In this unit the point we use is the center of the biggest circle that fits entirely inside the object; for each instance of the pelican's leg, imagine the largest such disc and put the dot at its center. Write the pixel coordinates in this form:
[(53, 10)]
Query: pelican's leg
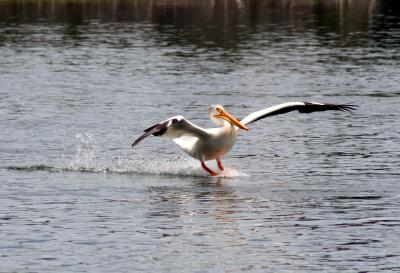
[(219, 162), (208, 169)]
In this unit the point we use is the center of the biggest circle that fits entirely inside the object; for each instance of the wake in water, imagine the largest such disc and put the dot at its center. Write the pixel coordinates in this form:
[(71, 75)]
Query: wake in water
[(88, 158)]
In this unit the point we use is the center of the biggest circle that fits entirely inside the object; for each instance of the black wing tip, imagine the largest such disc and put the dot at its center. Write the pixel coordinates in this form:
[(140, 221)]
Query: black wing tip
[(347, 107), (157, 130), (139, 139), (136, 142), (332, 106)]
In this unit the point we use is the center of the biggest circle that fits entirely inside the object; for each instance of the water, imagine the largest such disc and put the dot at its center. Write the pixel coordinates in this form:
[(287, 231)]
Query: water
[(302, 193)]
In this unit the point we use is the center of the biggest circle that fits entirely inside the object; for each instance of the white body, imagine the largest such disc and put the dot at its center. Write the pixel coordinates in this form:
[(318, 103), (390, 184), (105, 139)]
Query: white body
[(213, 144)]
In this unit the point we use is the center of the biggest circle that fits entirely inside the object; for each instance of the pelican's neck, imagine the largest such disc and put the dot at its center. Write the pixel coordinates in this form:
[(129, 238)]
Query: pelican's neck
[(229, 128)]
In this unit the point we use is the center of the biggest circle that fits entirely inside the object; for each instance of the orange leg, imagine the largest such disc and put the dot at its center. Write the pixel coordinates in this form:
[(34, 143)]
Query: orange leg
[(219, 162), (208, 169)]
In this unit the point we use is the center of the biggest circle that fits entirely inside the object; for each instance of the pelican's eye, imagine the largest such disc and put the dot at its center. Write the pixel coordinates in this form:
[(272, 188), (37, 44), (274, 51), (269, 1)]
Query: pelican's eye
[(219, 110)]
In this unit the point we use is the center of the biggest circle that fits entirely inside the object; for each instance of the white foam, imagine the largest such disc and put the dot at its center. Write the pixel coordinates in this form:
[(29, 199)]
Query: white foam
[(178, 166)]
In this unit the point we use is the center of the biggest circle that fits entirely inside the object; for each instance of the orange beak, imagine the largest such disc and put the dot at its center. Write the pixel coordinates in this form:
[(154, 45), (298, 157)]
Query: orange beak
[(228, 117)]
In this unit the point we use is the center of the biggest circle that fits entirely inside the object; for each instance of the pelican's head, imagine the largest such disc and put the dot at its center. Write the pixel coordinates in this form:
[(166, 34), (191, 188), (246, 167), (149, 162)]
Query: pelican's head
[(218, 115)]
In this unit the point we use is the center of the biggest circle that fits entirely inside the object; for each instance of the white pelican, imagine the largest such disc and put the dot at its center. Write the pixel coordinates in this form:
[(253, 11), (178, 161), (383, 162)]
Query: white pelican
[(214, 143)]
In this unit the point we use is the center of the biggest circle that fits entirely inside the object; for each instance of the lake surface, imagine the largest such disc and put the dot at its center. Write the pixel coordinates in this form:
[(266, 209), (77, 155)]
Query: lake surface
[(302, 193)]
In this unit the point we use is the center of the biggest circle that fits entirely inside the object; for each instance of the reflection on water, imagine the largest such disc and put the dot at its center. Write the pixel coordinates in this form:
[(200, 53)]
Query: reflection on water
[(212, 23), (206, 212), (168, 201)]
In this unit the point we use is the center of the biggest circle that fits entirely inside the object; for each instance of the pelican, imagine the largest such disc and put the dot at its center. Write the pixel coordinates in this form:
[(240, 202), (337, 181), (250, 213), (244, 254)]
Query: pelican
[(214, 143)]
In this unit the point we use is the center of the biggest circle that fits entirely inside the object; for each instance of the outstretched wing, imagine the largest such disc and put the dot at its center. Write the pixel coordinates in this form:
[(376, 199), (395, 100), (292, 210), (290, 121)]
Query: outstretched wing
[(172, 128), (302, 107)]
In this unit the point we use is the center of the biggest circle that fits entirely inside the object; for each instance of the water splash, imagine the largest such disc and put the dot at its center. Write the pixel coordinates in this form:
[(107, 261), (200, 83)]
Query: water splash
[(90, 158), (86, 150)]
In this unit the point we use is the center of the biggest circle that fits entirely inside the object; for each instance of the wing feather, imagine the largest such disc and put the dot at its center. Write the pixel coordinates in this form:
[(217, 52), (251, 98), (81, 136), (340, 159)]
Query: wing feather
[(172, 128), (302, 107)]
